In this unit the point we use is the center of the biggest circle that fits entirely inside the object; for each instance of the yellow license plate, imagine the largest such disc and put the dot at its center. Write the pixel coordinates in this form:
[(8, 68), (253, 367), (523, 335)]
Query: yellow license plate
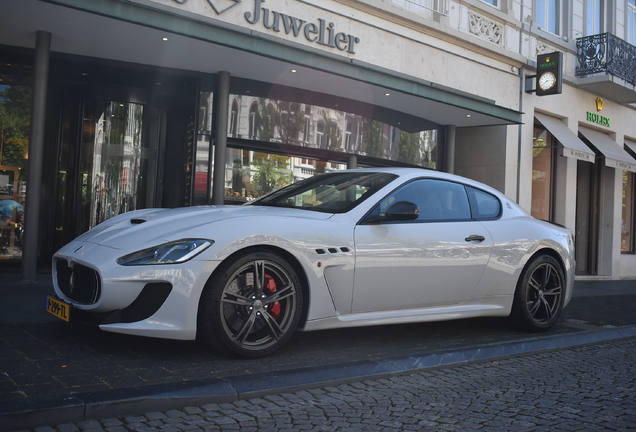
[(58, 308)]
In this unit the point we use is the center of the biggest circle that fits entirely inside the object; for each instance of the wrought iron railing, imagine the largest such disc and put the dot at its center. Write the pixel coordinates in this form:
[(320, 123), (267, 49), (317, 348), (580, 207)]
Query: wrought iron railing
[(606, 53)]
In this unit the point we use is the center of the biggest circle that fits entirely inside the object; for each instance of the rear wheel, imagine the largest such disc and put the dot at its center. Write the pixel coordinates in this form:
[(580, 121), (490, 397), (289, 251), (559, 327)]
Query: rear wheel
[(252, 306), (539, 296)]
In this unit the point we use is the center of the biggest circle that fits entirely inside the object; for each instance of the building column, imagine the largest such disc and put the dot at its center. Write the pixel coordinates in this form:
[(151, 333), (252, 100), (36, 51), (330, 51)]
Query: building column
[(450, 149), (36, 155), (221, 109)]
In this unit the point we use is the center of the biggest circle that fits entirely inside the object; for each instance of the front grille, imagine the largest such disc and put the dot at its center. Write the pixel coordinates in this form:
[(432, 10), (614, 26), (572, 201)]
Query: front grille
[(78, 283)]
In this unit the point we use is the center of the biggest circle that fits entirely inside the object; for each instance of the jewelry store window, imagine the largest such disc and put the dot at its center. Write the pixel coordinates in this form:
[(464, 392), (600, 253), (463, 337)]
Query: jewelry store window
[(15, 115), (628, 217), (543, 167)]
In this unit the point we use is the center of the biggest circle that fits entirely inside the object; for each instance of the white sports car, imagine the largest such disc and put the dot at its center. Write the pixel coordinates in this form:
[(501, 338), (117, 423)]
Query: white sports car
[(347, 248)]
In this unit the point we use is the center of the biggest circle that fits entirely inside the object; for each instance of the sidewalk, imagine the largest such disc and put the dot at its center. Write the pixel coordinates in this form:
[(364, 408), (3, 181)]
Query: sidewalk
[(52, 372)]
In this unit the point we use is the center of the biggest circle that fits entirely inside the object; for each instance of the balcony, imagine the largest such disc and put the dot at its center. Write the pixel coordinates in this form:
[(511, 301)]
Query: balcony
[(607, 66)]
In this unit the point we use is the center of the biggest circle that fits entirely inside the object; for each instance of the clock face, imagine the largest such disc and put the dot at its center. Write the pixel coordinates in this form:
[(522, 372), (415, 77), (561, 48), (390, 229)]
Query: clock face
[(547, 81)]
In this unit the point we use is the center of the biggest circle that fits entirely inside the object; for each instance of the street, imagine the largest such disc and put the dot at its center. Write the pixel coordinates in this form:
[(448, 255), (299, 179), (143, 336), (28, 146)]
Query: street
[(588, 388), (53, 373)]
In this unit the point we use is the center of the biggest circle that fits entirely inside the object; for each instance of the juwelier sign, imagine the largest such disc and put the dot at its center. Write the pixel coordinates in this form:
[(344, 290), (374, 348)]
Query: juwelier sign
[(317, 30)]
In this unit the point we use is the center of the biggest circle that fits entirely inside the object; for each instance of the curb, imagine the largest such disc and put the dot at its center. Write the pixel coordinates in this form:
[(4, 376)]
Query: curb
[(162, 397)]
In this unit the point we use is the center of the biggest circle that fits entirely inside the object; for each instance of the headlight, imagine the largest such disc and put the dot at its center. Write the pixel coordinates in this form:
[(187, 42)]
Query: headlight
[(169, 253)]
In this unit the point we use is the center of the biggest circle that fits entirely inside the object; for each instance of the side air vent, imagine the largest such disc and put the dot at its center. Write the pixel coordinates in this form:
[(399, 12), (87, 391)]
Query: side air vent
[(333, 250), (137, 221)]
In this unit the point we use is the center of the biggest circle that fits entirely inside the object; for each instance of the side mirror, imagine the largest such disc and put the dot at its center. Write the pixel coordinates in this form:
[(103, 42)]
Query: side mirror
[(402, 211)]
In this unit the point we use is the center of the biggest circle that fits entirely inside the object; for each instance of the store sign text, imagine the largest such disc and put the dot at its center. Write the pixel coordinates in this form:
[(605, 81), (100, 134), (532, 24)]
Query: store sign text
[(602, 120), (321, 32)]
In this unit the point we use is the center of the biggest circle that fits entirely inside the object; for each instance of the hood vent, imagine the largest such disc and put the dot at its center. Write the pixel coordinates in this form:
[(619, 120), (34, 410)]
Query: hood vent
[(137, 221)]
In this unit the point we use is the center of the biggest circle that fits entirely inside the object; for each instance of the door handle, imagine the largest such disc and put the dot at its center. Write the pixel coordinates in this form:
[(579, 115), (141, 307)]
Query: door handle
[(475, 237)]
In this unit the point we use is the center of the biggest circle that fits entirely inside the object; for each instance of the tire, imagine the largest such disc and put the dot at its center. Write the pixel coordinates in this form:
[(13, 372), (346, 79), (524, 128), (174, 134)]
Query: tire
[(538, 299), (252, 306)]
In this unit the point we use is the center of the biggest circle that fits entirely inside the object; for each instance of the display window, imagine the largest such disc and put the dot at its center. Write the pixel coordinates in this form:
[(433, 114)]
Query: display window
[(543, 160), (15, 112), (628, 217)]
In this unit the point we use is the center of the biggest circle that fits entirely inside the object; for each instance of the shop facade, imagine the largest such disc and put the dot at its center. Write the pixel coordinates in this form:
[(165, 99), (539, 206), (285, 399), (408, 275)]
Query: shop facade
[(168, 103)]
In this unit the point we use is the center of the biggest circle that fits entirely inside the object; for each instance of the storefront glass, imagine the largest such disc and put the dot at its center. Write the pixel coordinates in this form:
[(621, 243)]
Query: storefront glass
[(118, 163), (314, 127), (15, 114), (628, 218), (250, 174), (252, 170), (542, 174)]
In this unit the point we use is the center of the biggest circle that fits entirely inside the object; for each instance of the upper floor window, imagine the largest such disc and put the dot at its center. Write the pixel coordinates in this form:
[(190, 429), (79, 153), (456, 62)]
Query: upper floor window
[(550, 15), (631, 22), (495, 3), (593, 17)]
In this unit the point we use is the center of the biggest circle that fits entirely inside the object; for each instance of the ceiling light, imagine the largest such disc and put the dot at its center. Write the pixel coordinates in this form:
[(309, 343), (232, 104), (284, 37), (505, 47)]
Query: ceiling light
[(293, 70), (387, 94), (165, 39), (467, 115)]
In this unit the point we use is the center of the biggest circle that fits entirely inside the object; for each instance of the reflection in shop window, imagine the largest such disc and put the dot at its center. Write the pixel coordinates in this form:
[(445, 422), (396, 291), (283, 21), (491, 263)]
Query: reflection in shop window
[(542, 174), (251, 174), (277, 121), (320, 134), (234, 119), (118, 163), (252, 120), (628, 218), (15, 118)]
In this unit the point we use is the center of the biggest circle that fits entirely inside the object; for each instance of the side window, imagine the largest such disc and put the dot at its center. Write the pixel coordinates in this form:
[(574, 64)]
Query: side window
[(483, 204), (437, 200)]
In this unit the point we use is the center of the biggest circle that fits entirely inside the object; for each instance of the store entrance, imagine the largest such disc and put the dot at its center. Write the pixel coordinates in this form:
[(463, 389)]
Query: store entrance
[(587, 218), (121, 149)]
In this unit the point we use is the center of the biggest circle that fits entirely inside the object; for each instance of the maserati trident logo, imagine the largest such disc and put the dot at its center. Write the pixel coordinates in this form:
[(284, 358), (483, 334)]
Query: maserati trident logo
[(219, 6)]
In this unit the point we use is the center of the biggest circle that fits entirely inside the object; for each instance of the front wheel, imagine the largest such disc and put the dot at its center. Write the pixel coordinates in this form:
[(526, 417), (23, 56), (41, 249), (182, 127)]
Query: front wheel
[(252, 306), (539, 295)]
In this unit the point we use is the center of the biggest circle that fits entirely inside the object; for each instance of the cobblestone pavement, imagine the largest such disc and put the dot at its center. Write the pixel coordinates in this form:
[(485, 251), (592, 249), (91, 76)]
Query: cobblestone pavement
[(588, 388)]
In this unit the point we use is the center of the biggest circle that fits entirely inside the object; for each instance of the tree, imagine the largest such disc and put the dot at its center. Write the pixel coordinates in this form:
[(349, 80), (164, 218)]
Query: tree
[(267, 120), (373, 138), (15, 121), (272, 171), (409, 151), (292, 122)]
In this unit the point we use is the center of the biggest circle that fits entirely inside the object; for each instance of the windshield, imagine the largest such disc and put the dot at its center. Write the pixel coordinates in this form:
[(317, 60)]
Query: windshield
[(336, 192)]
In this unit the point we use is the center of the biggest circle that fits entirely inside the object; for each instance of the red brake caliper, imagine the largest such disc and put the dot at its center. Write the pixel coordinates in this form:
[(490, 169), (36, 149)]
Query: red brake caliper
[(270, 287)]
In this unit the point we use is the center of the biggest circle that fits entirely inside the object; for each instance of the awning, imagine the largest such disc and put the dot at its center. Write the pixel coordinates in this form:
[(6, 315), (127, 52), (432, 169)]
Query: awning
[(572, 144), (615, 155)]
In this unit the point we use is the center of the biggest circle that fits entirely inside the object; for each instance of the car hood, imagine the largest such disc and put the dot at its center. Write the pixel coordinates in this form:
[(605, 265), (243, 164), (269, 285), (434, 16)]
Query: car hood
[(142, 227)]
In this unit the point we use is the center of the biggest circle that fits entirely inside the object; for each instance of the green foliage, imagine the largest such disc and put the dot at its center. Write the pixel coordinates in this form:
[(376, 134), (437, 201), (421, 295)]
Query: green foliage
[(272, 171), (410, 151), (373, 138), (15, 118)]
